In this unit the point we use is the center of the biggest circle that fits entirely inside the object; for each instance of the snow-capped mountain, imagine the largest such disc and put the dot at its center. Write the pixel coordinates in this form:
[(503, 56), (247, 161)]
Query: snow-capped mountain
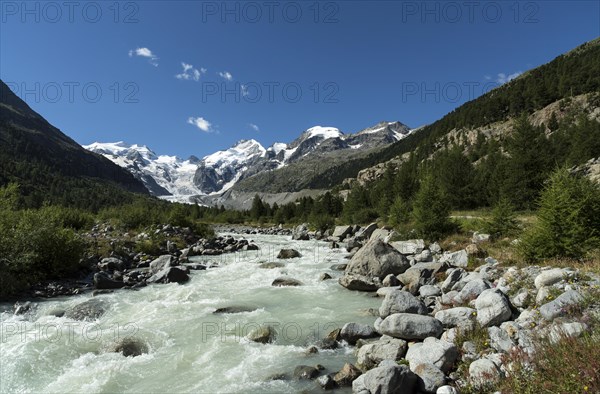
[(177, 179)]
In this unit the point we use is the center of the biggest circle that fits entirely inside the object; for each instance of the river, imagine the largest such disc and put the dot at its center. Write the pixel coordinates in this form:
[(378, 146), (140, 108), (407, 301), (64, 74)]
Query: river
[(191, 349)]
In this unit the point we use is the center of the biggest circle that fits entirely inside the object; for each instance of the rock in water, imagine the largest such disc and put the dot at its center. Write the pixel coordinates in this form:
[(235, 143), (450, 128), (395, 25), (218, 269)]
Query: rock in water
[(352, 332), (306, 372), (129, 347), (88, 310), (358, 282), (263, 334), (288, 254), (347, 375), (280, 282)]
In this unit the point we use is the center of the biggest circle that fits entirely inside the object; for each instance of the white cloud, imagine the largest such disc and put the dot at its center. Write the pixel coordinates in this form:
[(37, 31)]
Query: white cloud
[(189, 72), (503, 78), (254, 127), (145, 52), (226, 75), (201, 123), (244, 89)]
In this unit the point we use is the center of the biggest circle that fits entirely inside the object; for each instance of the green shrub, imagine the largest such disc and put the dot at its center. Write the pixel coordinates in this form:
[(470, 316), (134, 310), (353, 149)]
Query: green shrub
[(34, 245), (568, 222)]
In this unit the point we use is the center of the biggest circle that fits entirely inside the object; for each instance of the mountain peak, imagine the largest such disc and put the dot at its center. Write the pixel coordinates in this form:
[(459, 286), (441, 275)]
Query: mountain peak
[(323, 132)]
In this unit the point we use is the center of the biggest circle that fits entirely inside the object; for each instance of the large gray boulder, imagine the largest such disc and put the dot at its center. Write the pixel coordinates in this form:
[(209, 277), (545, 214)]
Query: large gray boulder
[(365, 233), (560, 305), (111, 264), (387, 378), (412, 246), (170, 275), (386, 348), (129, 347), (88, 310), (377, 259), (288, 254), (460, 316), (263, 334), (358, 282), (471, 290), (549, 277), (410, 326), (300, 233), (456, 259), (434, 351), (420, 274), (399, 301), (160, 263), (493, 308), (103, 281), (352, 332), (430, 377), (341, 232)]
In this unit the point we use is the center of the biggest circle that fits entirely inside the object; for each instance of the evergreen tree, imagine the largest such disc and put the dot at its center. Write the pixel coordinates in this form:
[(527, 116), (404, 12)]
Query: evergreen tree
[(503, 221), (528, 164), (430, 210), (568, 222), (399, 212), (258, 209)]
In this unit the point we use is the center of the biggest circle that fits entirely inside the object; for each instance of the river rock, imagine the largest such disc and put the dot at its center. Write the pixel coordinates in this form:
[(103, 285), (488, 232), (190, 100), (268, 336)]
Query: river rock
[(306, 372), (365, 233), (483, 372), (454, 276), (326, 382), (412, 246), (160, 263), (262, 334), (500, 340), (387, 378), (386, 348), (324, 276), (271, 265), (111, 264), (21, 309), (560, 305), (377, 259), (410, 326), (419, 275), (341, 232), (458, 259), (457, 317), (89, 310), (129, 347), (352, 332), (347, 375), (400, 301), (300, 233), (549, 277), (283, 281), (170, 275), (429, 291), (430, 377), (358, 282), (288, 254), (471, 290), (434, 351), (339, 267), (391, 281), (103, 281), (234, 309), (493, 308)]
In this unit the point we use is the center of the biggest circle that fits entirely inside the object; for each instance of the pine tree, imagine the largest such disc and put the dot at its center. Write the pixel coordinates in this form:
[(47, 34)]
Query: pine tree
[(503, 221), (399, 212), (430, 210), (568, 222)]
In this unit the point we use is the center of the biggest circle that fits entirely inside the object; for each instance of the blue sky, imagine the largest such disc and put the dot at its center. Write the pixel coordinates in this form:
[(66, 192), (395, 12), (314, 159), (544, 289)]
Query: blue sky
[(106, 71)]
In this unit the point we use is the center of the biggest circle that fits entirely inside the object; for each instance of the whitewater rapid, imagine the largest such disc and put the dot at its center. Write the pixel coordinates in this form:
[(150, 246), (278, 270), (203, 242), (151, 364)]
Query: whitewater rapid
[(190, 348)]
